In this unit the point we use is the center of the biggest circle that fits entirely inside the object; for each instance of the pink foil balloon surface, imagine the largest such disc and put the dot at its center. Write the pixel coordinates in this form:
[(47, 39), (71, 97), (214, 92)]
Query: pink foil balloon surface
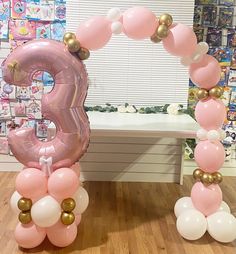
[(210, 114), (206, 73), (139, 23), (181, 40), (209, 156), (206, 199), (94, 33), (63, 105)]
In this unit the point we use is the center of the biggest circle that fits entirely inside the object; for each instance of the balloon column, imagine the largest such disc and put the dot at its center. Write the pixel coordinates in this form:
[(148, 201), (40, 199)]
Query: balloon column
[(48, 198)]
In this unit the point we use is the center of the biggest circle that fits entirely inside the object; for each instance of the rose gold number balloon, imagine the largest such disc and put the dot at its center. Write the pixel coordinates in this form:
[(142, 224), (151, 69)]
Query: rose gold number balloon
[(63, 105)]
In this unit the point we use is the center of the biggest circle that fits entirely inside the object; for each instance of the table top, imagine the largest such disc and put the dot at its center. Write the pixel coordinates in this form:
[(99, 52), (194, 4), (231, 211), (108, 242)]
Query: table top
[(142, 125)]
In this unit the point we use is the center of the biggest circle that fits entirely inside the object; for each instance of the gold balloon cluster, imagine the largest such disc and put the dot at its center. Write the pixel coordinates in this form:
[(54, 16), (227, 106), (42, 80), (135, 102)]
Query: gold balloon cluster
[(67, 216), (73, 46), (215, 92), (207, 178), (25, 204), (162, 31)]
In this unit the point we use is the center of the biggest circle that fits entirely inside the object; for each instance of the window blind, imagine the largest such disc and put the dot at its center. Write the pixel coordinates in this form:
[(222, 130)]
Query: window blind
[(138, 72)]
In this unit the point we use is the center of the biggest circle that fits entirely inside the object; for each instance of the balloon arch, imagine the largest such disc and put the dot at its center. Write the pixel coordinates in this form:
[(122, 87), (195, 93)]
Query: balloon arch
[(48, 198)]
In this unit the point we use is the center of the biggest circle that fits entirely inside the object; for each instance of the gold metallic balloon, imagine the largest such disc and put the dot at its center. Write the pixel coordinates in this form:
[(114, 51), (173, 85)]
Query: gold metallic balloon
[(216, 92), (197, 173), (68, 205), (25, 217), (202, 94), (154, 38), (166, 19), (68, 36), (207, 178), (162, 31), (73, 45), (24, 204), (67, 218), (217, 176), (83, 54)]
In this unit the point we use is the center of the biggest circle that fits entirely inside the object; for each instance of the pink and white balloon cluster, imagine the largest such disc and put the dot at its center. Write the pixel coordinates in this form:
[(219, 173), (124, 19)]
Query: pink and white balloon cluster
[(192, 224), (40, 202)]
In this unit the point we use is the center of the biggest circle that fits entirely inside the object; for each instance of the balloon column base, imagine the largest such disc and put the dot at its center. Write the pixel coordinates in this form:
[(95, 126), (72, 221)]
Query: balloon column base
[(48, 207), (192, 224)]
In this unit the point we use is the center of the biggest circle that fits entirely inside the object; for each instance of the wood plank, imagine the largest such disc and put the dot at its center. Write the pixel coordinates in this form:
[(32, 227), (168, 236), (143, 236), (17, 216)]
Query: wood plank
[(123, 218)]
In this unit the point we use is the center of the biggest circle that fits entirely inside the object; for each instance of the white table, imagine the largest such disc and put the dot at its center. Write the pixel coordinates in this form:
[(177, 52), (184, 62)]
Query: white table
[(132, 147)]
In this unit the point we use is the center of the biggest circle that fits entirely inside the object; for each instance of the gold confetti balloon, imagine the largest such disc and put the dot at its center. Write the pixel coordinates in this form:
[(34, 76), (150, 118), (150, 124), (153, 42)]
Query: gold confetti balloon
[(202, 94), (24, 204), (68, 36), (83, 54), (162, 31), (25, 217), (67, 218), (197, 173), (166, 19), (216, 92), (73, 45), (217, 176), (68, 205)]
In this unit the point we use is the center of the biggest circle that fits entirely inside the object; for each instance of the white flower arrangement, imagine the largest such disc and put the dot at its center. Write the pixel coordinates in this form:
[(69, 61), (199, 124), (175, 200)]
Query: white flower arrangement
[(174, 109)]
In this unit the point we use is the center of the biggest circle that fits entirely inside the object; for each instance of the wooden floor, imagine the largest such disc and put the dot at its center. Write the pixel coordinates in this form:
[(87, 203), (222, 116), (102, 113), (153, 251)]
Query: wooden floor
[(129, 218)]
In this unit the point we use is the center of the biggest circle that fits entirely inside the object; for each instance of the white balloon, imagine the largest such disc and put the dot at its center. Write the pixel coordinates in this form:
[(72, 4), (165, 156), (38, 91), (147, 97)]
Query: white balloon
[(196, 57), (116, 27), (114, 14), (46, 211), (202, 134), (222, 134), (224, 207), (186, 61), (82, 200), (191, 224), (222, 226), (213, 135), (203, 47), (14, 201), (183, 204)]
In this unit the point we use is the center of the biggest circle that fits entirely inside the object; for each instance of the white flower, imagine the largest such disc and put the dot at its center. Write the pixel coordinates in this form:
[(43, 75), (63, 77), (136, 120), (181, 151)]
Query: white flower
[(173, 109), (121, 109)]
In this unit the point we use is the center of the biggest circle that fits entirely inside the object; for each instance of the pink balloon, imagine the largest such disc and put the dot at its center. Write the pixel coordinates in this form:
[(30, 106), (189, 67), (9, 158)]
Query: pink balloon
[(181, 40), (63, 183), (61, 235), (206, 199), (210, 114), (78, 218), (29, 235), (31, 183), (94, 33), (76, 167), (64, 105), (209, 156), (206, 73), (139, 23)]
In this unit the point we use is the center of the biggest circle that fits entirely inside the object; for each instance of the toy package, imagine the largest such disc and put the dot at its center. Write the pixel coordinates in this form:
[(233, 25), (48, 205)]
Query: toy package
[(41, 128), (232, 101), (60, 10), (3, 131), (206, 2), (43, 30), (4, 32), (5, 109), (18, 9), (33, 9), (47, 10), (4, 147), (223, 55), (209, 14), (22, 29), (233, 61), (226, 95), (197, 15), (58, 29), (231, 38), (19, 109), (231, 115), (226, 2), (214, 37), (34, 110), (7, 91), (4, 9), (224, 76), (232, 78), (14, 43), (225, 17), (199, 31), (36, 89), (23, 93)]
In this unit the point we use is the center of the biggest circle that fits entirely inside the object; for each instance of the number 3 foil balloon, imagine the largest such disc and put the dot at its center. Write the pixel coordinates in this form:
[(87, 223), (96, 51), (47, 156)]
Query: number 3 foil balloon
[(63, 105)]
